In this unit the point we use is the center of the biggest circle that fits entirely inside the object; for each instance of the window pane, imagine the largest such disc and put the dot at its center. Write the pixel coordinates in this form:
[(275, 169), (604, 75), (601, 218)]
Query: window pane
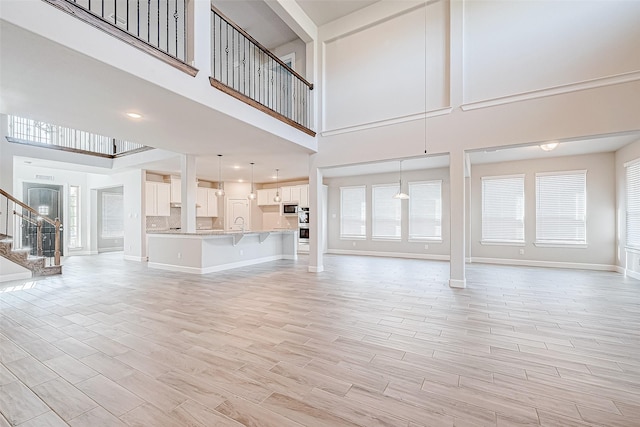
[(386, 215), (73, 218), (112, 215), (503, 209), (633, 205), (425, 210), (561, 207), (353, 208)]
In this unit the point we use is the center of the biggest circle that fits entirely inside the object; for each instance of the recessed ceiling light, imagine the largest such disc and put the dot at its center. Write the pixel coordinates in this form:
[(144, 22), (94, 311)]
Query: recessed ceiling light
[(241, 180), (236, 167), (134, 115)]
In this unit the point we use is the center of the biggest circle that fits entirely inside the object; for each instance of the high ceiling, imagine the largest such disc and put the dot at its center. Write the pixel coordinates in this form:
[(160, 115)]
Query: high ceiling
[(324, 11)]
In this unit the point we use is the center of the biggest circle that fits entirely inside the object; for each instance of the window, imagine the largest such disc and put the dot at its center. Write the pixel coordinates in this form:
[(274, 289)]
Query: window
[(112, 215), (633, 204), (425, 210), (353, 212), (503, 209), (561, 208), (386, 213), (73, 217)]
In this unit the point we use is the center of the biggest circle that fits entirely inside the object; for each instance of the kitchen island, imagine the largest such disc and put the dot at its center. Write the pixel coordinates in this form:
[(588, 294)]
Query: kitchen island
[(208, 251)]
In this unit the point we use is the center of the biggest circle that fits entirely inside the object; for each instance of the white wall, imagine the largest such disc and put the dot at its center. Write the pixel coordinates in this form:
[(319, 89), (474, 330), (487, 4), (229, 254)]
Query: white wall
[(378, 71), (513, 47), (625, 259), (600, 211), (436, 250), (299, 48)]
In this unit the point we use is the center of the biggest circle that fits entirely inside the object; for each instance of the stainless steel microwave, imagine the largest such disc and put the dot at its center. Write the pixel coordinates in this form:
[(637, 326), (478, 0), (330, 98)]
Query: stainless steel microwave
[(289, 209)]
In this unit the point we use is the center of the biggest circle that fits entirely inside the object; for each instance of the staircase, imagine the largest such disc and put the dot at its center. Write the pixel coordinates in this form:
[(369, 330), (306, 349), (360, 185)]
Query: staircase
[(22, 257), (19, 219)]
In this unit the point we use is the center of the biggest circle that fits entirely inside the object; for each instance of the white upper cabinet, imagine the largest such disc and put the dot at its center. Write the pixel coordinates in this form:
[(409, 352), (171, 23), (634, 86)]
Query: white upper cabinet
[(157, 198), (265, 197), (176, 190), (207, 202)]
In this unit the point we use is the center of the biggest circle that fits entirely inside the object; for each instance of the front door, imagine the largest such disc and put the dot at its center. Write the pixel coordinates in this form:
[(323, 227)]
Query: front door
[(47, 201)]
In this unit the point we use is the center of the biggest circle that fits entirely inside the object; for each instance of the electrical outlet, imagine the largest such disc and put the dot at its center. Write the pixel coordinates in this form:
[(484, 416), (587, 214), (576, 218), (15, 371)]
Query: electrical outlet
[(179, 255), (241, 252), (521, 251), (426, 246), (354, 244)]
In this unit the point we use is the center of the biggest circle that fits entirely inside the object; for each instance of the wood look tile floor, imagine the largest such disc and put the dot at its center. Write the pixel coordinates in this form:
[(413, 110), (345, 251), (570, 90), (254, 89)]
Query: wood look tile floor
[(368, 342)]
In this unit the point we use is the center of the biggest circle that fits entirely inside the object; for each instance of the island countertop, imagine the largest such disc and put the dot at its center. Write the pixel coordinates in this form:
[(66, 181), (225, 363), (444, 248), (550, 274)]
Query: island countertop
[(207, 251)]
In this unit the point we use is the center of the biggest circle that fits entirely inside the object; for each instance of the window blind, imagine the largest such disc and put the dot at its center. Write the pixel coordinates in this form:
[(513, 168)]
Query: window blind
[(112, 215), (425, 210), (353, 208), (386, 213), (503, 209), (561, 207), (633, 205)]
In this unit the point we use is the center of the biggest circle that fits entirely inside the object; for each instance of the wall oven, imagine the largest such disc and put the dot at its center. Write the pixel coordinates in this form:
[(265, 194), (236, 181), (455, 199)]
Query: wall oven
[(303, 217), (303, 234)]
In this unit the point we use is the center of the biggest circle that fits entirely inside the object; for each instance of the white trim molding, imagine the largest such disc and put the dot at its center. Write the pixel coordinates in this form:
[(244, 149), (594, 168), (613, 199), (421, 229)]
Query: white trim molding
[(387, 122), (315, 269), (457, 284), (632, 274), (135, 258), (15, 276), (408, 255), (554, 90), (215, 268), (548, 264)]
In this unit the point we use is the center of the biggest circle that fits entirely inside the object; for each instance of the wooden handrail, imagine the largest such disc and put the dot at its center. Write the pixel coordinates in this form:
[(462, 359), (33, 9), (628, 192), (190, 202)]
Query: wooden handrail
[(262, 48), (27, 207)]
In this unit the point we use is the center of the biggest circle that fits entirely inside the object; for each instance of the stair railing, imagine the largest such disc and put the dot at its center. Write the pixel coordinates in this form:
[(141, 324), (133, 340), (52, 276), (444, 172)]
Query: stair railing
[(16, 220)]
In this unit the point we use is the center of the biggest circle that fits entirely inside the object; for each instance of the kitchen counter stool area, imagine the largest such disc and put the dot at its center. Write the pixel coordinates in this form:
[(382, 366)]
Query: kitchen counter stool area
[(208, 252)]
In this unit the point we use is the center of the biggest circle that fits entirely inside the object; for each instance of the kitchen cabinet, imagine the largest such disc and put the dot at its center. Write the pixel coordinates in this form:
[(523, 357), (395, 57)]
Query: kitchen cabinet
[(265, 197), (206, 202), (157, 198), (303, 201), (295, 194), (285, 193), (176, 190)]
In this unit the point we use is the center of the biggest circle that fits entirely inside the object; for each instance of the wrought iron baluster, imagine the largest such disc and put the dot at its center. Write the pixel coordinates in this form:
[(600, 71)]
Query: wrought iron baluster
[(149, 21), (175, 18), (167, 33), (158, 24)]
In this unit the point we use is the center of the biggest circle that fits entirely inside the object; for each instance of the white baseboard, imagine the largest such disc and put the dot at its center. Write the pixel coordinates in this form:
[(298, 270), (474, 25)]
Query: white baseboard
[(550, 264), (632, 274), (458, 284), (434, 257), (315, 269), (15, 276), (215, 268), (620, 270), (135, 258)]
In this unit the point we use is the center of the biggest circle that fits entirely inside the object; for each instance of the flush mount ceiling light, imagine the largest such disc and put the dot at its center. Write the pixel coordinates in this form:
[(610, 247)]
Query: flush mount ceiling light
[(252, 195), (277, 199), (400, 195), (133, 115), (550, 146), (219, 191)]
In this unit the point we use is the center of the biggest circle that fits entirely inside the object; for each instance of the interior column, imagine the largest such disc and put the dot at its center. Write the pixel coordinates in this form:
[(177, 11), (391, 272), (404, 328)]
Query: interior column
[(316, 227), (188, 191), (457, 218)]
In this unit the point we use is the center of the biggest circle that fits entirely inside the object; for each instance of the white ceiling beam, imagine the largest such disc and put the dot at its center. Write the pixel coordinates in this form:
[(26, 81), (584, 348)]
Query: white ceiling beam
[(293, 15)]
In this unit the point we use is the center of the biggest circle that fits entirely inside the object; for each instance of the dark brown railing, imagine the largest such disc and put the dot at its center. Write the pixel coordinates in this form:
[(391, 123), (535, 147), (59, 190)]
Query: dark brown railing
[(30, 229), (256, 75)]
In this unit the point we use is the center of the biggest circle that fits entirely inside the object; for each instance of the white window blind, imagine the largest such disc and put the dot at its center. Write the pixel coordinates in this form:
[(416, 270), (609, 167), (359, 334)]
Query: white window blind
[(112, 215), (503, 209), (386, 213), (353, 212), (72, 227), (561, 207), (425, 210), (633, 204)]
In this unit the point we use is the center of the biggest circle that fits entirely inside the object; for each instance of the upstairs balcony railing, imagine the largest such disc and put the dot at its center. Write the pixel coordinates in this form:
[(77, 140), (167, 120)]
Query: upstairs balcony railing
[(243, 68), (34, 132), (158, 27)]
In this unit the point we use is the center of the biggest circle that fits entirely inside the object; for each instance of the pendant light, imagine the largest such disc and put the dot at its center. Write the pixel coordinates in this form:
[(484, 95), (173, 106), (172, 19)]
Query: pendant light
[(252, 195), (220, 190), (277, 199), (400, 195)]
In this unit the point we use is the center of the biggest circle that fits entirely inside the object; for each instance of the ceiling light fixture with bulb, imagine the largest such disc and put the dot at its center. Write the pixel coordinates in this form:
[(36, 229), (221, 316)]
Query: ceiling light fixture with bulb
[(400, 195), (220, 190), (252, 195), (277, 199)]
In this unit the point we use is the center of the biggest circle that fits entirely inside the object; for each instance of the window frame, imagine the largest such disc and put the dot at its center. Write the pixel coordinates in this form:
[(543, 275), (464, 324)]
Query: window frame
[(395, 188), (503, 242), (635, 164), (561, 243), (412, 198), (363, 218)]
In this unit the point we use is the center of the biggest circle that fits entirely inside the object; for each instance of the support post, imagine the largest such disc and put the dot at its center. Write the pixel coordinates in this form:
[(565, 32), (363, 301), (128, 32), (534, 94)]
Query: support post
[(188, 191), (457, 218)]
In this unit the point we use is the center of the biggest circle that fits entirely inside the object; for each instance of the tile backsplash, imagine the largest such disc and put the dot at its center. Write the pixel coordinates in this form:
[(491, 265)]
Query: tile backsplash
[(174, 221)]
